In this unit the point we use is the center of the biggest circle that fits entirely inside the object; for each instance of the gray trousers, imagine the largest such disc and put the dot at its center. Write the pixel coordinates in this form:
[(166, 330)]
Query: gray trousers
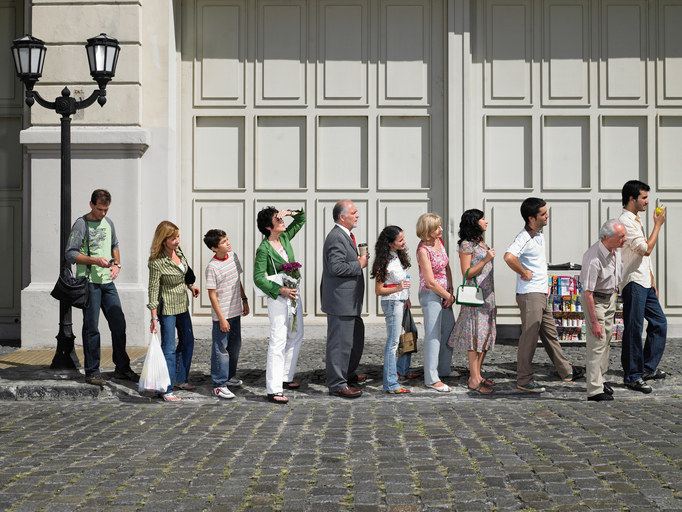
[(537, 320), (345, 342)]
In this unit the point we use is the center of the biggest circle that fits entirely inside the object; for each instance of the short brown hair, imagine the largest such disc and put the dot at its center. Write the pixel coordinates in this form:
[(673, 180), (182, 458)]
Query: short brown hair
[(100, 196)]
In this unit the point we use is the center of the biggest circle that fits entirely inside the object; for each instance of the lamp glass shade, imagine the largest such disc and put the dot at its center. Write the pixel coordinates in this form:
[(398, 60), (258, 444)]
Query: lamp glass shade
[(29, 57), (102, 52)]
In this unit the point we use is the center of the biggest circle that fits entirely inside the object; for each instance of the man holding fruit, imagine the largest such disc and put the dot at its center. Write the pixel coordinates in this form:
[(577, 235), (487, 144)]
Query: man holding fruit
[(640, 295)]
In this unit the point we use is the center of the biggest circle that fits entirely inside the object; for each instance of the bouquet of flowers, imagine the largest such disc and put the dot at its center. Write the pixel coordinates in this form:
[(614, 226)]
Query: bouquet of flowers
[(291, 275)]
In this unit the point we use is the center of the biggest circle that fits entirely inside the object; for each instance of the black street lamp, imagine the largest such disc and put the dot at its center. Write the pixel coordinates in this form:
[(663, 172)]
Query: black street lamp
[(29, 58)]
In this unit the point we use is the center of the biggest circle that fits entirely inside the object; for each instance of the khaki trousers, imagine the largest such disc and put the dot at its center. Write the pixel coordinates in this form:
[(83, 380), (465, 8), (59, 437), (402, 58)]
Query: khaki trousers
[(597, 349), (537, 320)]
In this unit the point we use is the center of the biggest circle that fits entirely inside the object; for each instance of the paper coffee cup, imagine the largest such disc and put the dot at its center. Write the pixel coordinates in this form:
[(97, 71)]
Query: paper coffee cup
[(362, 249)]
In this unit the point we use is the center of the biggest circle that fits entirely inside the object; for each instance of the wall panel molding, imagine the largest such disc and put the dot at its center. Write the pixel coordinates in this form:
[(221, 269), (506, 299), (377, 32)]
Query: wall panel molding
[(566, 53), (282, 52), (509, 52), (669, 61), (343, 53), (624, 53), (220, 58), (405, 52)]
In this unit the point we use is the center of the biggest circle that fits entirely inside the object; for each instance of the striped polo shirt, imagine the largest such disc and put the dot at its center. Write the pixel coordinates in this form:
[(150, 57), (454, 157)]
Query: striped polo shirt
[(224, 276)]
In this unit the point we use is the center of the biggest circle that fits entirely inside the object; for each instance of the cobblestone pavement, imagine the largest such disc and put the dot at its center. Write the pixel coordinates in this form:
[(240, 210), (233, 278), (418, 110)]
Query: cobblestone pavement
[(389, 455), (115, 450)]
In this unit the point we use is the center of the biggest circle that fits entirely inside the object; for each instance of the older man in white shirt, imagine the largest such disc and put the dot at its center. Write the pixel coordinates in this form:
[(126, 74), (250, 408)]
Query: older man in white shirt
[(599, 277), (640, 296)]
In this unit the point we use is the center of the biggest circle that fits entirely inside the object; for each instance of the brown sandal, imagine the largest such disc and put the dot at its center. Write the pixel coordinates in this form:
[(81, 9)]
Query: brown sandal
[(482, 388), (291, 385)]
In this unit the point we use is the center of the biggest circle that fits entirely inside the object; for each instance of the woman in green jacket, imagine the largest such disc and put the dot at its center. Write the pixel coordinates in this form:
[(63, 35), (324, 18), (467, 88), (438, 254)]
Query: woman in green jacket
[(284, 301)]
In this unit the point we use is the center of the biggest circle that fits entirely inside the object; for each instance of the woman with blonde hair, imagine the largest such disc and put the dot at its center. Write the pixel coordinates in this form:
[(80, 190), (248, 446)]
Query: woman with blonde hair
[(169, 304), (436, 299)]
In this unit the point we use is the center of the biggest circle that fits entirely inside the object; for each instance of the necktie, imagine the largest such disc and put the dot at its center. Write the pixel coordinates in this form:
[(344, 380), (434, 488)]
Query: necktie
[(352, 237)]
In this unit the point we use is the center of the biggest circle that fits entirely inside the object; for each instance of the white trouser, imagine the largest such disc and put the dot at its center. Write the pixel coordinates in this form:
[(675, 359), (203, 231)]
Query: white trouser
[(284, 345)]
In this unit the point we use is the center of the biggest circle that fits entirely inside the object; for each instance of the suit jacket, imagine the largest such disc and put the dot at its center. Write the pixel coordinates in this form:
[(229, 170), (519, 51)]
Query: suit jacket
[(343, 283), (266, 254)]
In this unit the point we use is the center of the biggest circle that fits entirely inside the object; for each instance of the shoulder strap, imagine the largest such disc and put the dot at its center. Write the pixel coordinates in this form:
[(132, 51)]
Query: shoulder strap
[(87, 244), (466, 274)]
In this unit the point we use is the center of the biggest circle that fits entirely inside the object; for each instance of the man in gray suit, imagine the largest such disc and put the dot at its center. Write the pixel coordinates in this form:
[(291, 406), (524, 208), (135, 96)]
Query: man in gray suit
[(343, 290)]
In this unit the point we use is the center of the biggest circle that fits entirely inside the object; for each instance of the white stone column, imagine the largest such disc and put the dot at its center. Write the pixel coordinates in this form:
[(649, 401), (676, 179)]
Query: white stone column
[(102, 157)]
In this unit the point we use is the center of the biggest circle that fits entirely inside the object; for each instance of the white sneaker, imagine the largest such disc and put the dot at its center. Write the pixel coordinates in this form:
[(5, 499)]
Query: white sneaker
[(223, 392), (234, 381)]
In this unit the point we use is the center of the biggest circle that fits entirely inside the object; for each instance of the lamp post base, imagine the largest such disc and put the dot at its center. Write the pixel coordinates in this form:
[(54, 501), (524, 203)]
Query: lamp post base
[(65, 357)]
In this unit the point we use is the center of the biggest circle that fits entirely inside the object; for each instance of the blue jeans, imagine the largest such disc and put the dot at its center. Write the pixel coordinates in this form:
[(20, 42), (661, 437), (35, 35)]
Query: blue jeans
[(225, 351), (640, 303), (438, 324), (104, 296), (178, 359), (394, 309)]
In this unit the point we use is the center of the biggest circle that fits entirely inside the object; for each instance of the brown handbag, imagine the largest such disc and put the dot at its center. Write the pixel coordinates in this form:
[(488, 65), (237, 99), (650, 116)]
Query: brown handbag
[(407, 343)]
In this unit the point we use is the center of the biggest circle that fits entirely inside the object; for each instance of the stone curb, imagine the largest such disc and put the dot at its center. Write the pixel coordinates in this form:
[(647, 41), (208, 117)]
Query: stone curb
[(43, 384)]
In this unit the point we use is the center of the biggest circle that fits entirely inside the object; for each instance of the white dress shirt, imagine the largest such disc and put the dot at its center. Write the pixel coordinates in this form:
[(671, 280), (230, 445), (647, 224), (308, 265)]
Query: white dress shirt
[(636, 265)]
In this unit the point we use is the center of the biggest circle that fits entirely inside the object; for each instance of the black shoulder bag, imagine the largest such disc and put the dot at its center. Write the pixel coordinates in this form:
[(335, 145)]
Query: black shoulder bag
[(72, 290), (190, 278)]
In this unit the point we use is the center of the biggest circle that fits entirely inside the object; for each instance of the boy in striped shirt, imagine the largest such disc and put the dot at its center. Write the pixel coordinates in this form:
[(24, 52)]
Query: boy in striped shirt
[(228, 305)]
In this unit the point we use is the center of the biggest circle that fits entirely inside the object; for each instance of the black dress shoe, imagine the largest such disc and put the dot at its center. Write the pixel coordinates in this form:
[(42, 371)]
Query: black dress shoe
[(639, 385), (361, 377), (658, 374), (608, 389), (346, 392), (600, 397)]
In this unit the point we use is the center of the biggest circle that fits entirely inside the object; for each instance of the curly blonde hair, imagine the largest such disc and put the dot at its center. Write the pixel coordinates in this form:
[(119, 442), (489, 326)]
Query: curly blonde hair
[(165, 230)]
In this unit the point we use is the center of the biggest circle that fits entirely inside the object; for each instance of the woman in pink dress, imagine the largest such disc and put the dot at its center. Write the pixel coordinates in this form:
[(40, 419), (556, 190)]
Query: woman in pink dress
[(435, 298)]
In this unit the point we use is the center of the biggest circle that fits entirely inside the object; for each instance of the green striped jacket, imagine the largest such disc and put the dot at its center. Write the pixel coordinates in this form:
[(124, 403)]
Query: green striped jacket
[(167, 284)]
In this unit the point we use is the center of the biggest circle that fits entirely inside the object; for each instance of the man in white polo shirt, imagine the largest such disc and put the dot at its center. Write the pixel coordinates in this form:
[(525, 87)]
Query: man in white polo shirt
[(526, 257), (640, 296)]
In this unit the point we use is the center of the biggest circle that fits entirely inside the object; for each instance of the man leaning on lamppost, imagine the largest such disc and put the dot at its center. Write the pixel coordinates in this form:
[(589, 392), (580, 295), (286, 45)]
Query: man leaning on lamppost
[(29, 58)]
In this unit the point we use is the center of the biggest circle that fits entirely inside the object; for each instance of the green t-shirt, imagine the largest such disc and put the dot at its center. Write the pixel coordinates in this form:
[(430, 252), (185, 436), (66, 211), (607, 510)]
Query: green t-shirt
[(99, 235)]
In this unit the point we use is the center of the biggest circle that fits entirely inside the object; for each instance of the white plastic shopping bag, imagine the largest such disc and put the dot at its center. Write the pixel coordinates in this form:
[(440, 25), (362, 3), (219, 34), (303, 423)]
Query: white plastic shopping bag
[(154, 376)]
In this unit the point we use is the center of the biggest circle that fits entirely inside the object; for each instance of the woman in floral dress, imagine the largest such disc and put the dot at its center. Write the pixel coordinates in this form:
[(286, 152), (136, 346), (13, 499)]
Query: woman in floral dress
[(475, 329)]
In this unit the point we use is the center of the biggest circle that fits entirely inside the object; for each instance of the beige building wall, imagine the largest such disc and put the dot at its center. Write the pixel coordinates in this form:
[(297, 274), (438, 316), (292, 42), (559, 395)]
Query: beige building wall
[(221, 107)]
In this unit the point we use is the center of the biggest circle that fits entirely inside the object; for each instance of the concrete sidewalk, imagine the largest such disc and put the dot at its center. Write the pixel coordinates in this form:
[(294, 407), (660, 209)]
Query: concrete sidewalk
[(25, 374)]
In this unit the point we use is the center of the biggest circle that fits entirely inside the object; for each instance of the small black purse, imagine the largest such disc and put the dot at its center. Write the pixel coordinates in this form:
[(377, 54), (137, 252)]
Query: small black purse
[(74, 290), (190, 278)]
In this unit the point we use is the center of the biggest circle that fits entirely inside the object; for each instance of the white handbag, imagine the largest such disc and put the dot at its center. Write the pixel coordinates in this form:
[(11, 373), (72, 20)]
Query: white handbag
[(469, 295), (275, 278)]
